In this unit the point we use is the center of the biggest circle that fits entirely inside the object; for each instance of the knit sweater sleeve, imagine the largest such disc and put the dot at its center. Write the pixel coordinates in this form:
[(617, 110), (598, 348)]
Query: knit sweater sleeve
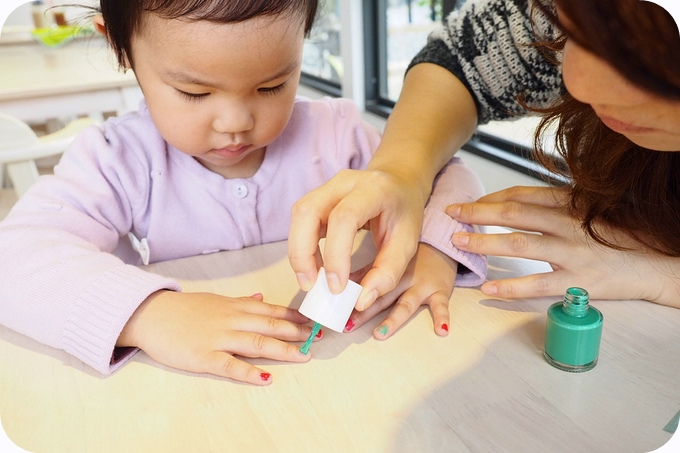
[(490, 46)]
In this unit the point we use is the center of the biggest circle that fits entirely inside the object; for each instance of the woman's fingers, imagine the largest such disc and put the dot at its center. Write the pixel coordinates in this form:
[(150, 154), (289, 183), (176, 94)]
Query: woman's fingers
[(517, 244), (540, 196), (335, 211), (535, 285), (511, 214)]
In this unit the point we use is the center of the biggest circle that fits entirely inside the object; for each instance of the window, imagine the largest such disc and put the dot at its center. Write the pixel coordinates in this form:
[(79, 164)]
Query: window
[(322, 64), (390, 35)]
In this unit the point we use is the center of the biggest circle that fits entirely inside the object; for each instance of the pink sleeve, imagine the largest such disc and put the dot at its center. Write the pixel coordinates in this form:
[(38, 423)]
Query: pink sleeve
[(456, 183), (60, 286)]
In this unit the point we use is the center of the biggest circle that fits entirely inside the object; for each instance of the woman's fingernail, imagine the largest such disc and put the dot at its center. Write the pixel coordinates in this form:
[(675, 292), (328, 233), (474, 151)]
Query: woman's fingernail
[(257, 295), (461, 239), (382, 330), (454, 210), (490, 289), (333, 282), (366, 299), (445, 327), (303, 281), (319, 334), (349, 326), (265, 376)]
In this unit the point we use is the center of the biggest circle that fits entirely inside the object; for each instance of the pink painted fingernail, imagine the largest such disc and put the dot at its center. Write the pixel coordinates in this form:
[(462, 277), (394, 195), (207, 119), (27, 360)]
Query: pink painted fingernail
[(349, 326)]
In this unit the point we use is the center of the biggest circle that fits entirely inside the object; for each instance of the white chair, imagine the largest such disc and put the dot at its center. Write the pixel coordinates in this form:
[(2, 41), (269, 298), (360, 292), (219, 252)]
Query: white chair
[(20, 147)]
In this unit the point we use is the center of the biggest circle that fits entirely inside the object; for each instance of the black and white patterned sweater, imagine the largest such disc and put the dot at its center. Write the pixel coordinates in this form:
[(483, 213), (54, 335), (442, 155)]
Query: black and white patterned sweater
[(490, 46)]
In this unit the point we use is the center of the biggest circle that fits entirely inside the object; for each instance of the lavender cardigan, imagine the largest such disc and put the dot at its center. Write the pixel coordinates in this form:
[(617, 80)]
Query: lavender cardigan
[(68, 270)]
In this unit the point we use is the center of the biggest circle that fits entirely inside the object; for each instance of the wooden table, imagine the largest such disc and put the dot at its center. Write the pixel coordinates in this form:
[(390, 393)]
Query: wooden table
[(79, 78), (484, 388)]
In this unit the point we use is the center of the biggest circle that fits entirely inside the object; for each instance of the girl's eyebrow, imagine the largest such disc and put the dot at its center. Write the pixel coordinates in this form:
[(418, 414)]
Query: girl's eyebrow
[(189, 79)]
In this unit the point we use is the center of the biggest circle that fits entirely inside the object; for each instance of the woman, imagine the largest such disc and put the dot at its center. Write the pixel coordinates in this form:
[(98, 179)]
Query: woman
[(608, 71)]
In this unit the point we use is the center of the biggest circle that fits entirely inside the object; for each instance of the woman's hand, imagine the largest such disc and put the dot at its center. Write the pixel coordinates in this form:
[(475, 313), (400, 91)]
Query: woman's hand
[(576, 259), (429, 280), (203, 333), (380, 201)]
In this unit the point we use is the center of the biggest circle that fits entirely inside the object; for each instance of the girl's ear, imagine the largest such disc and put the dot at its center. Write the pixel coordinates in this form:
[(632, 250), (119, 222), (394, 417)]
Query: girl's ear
[(98, 21)]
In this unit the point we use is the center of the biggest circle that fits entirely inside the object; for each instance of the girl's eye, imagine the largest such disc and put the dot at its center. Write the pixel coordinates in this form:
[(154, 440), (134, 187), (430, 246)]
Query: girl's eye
[(194, 97), (272, 90)]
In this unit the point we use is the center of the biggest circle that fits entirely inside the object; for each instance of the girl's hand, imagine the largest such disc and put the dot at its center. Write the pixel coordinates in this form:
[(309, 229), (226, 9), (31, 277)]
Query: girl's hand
[(203, 333), (384, 203), (576, 259), (429, 280)]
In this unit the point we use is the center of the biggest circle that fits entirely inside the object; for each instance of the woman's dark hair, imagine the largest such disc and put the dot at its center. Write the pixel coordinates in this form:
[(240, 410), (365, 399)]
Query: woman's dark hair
[(123, 18), (616, 182)]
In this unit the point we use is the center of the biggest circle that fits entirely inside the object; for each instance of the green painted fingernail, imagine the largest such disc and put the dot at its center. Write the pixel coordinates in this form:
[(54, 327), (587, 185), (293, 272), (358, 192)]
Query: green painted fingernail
[(382, 330)]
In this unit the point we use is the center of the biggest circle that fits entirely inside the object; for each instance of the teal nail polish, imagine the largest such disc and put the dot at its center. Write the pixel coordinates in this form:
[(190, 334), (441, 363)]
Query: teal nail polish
[(573, 332), (382, 330)]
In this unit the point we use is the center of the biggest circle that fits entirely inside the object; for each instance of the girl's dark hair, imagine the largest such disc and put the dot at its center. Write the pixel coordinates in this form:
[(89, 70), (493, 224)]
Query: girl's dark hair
[(616, 182), (123, 18)]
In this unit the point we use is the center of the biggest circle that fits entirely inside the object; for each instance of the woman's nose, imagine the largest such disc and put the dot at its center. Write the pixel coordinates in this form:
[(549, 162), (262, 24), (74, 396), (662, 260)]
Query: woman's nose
[(592, 80)]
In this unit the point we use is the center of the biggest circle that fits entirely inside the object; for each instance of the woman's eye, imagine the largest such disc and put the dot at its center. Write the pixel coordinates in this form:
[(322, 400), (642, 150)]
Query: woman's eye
[(272, 90), (192, 96)]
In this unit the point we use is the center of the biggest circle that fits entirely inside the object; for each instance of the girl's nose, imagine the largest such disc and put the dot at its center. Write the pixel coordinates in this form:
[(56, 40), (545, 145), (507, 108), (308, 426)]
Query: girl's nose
[(233, 120)]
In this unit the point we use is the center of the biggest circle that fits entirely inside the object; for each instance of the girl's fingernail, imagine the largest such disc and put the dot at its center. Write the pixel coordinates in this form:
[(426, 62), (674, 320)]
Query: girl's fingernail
[(319, 334), (349, 326), (454, 210), (265, 376), (256, 295), (461, 239), (445, 327), (382, 330)]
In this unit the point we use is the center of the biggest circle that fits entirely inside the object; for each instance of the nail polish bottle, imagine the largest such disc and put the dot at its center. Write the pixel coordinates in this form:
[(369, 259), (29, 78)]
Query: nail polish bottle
[(573, 332)]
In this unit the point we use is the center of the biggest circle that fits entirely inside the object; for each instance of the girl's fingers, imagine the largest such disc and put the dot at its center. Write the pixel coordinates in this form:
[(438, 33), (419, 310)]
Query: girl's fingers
[(359, 318), (249, 344), (225, 365), (258, 307), (403, 309), (439, 307)]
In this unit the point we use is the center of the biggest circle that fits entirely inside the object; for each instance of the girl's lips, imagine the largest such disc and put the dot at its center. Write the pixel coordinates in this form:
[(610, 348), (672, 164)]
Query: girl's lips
[(624, 128), (231, 151)]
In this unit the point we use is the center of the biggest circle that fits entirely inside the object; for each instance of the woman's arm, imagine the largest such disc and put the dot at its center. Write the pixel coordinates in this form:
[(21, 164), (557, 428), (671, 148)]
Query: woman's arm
[(434, 116)]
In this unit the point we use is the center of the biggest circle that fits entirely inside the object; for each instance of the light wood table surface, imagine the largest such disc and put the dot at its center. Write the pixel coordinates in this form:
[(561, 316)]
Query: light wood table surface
[(484, 388), (79, 78)]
